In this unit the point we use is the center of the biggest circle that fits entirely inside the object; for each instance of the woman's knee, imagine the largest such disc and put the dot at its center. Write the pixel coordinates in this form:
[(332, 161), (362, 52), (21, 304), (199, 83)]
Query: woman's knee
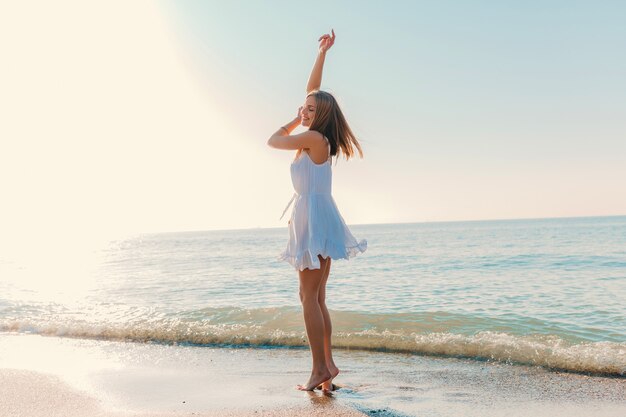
[(308, 293), (308, 298)]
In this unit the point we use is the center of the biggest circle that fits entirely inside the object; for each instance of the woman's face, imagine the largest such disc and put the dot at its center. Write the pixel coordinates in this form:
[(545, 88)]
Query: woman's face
[(308, 111)]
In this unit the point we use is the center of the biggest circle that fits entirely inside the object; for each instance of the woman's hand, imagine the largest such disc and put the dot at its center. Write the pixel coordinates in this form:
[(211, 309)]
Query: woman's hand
[(326, 41)]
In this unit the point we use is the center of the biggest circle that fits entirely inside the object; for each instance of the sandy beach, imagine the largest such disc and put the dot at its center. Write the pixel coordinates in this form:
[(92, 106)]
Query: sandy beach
[(29, 393), (56, 376)]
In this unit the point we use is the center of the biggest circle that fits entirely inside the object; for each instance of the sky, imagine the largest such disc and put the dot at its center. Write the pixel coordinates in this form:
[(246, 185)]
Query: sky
[(153, 116)]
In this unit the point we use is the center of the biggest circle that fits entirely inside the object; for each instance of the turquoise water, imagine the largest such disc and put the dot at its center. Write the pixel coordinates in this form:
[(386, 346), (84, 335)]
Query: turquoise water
[(548, 292)]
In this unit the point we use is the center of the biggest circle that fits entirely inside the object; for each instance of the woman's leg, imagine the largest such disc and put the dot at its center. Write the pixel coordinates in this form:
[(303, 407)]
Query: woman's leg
[(328, 330), (310, 281)]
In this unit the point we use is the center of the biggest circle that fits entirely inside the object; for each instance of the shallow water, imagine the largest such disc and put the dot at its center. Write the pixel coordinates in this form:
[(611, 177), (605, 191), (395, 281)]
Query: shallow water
[(546, 292)]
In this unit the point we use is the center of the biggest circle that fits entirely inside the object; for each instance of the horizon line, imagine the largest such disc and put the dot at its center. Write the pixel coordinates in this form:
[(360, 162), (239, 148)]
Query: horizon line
[(384, 224)]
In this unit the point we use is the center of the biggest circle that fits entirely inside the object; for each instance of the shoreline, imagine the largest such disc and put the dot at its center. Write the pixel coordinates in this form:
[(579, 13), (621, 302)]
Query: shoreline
[(112, 378)]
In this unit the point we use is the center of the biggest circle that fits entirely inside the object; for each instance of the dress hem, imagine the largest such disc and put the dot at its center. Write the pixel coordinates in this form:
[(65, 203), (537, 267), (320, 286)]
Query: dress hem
[(308, 258)]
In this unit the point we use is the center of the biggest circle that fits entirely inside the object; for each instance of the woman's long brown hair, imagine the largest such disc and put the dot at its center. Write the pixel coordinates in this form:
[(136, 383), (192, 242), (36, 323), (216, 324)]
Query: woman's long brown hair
[(330, 121)]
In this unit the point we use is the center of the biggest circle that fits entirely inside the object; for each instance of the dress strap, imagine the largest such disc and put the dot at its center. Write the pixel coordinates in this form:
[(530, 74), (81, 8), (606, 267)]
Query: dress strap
[(290, 201)]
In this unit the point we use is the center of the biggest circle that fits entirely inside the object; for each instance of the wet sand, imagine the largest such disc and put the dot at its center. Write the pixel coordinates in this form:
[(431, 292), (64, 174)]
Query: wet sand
[(26, 393), (53, 376)]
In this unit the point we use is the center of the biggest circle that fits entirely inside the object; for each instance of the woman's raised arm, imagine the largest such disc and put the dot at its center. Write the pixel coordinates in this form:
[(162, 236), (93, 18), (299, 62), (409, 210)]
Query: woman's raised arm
[(315, 79)]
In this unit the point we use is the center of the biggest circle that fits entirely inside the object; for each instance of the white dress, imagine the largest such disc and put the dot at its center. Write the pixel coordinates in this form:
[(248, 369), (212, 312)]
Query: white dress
[(316, 226)]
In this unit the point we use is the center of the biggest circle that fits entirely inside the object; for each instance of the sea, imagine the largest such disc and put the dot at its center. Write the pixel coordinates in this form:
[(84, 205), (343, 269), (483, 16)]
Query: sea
[(547, 292)]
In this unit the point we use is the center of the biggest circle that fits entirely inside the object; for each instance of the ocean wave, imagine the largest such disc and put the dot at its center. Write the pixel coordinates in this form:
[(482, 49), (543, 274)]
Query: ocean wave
[(282, 327)]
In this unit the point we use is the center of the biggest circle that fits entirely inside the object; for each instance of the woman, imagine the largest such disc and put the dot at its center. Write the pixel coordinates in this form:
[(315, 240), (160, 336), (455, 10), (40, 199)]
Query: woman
[(317, 232)]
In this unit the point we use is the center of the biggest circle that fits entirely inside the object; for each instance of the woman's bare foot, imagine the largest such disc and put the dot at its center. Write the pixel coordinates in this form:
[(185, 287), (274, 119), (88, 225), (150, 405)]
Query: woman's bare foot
[(316, 379), (328, 385)]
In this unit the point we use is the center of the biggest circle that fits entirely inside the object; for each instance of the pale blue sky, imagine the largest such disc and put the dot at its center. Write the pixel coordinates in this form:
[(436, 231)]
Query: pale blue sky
[(466, 110), (145, 116)]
